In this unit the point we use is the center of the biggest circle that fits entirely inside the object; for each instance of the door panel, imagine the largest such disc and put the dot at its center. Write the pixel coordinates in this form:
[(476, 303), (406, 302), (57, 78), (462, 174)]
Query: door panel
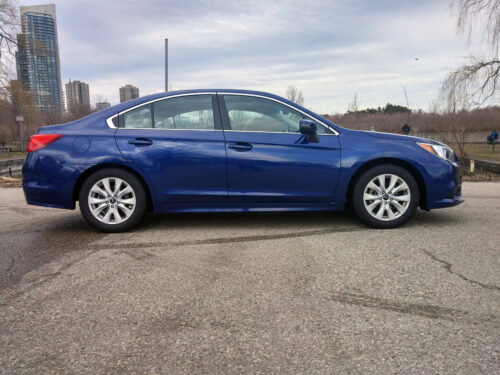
[(182, 152), (279, 166)]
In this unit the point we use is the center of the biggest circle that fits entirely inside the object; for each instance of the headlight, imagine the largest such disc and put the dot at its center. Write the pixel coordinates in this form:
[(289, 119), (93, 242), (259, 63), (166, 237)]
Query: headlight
[(441, 151)]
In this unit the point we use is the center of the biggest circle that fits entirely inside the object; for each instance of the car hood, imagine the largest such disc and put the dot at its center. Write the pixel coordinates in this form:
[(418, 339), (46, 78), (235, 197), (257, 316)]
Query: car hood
[(398, 137)]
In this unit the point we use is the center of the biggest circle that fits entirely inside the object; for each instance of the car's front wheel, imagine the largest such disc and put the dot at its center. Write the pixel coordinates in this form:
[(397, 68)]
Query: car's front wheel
[(112, 200), (385, 196)]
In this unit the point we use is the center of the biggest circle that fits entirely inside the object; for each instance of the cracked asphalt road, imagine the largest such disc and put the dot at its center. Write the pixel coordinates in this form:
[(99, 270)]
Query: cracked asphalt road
[(251, 293)]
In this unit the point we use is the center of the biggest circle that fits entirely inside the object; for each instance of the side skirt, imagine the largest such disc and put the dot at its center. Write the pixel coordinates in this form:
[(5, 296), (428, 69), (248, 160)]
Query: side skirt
[(263, 207)]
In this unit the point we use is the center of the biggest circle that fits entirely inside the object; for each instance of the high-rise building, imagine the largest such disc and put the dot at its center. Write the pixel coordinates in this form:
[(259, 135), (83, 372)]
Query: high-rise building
[(128, 92), (77, 95), (102, 105), (37, 58)]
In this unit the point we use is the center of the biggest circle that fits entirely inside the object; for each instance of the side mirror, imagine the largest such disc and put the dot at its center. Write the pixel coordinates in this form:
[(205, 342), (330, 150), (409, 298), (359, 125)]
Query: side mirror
[(309, 128)]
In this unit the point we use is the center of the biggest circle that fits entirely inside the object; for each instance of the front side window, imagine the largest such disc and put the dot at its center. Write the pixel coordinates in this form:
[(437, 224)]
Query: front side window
[(249, 113), (184, 112)]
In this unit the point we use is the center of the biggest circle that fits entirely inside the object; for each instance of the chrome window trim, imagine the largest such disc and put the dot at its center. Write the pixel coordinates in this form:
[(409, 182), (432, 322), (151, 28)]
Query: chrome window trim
[(335, 133), (191, 130), (109, 120), (260, 131)]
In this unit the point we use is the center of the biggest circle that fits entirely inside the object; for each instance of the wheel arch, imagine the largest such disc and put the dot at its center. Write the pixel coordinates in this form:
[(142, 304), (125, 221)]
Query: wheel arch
[(85, 174), (399, 162)]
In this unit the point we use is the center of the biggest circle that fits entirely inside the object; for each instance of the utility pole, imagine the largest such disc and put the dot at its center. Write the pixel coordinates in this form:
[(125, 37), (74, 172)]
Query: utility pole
[(166, 64)]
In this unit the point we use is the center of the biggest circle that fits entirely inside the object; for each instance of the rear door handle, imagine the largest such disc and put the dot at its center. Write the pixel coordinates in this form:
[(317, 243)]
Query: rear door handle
[(241, 146), (141, 142)]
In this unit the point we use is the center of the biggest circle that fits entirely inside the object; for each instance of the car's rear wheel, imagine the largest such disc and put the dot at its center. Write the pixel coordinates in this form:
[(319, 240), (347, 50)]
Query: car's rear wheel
[(385, 196), (113, 200)]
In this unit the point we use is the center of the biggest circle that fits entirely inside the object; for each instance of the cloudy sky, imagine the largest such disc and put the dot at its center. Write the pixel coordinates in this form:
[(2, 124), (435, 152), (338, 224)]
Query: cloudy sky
[(329, 49)]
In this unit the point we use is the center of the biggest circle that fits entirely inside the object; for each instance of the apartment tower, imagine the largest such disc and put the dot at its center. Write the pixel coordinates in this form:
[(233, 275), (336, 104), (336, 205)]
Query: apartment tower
[(37, 58)]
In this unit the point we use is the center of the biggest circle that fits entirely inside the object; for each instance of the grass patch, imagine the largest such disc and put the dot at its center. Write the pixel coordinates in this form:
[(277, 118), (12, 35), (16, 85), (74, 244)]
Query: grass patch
[(480, 151), (483, 151), (13, 155)]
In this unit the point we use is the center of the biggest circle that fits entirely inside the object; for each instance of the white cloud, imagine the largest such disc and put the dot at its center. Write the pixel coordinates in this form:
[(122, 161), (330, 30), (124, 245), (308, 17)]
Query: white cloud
[(329, 50)]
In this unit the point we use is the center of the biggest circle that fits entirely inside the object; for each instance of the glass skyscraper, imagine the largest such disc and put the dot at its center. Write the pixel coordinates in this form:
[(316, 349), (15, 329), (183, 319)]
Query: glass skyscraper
[(38, 67)]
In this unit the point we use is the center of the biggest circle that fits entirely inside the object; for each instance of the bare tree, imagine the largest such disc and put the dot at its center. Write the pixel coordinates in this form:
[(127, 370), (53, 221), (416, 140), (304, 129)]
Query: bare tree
[(354, 105), (456, 125), (96, 100), (6, 122), (352, 111), (99, 98), (485, 12), (76, 111), (479, 76), (20, 103), (407, 104), (295, 95), (9, 23)]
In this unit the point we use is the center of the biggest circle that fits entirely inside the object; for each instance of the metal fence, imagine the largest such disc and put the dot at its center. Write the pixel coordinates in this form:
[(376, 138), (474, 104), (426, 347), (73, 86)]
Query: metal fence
[(11, 167)]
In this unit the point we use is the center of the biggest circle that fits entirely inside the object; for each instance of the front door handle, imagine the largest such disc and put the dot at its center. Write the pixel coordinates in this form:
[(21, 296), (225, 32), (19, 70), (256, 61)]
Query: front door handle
[(241, 146), (141, 142)]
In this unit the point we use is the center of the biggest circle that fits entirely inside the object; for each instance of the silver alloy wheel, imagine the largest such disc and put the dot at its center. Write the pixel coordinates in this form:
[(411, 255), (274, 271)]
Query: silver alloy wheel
[(386, 197), (112, 200)]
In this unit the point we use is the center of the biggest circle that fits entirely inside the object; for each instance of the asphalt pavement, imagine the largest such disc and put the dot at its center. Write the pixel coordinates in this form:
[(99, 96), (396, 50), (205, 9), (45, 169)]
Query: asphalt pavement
[(288, 293)]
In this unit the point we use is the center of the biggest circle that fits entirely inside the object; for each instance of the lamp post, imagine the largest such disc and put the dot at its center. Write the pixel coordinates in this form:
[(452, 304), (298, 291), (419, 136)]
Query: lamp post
[(166, 64), (20, 120)]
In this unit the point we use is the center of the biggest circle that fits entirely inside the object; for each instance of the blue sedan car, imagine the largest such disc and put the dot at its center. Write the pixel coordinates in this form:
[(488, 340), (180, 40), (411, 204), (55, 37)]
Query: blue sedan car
[(227, 151)]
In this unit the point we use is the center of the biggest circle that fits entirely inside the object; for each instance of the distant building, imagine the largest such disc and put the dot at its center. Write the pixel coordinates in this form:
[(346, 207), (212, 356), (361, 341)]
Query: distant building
[(102, 105), (77, 95), (128, 92), (37, 58), (63, 101)]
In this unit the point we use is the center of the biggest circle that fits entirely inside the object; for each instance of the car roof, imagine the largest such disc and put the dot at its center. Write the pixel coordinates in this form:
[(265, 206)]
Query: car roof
[(107, 112), (144, 99)]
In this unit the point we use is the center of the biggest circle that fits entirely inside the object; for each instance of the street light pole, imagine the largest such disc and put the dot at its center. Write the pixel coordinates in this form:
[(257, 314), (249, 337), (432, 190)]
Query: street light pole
[(166, 64), (20, 120)]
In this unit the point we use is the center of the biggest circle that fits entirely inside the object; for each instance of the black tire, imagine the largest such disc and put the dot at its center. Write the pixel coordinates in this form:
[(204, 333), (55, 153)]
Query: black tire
[(139, 192), (358, 204)]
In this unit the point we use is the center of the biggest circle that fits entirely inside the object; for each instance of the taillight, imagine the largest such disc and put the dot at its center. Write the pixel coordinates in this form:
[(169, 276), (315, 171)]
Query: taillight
[(39, 141)]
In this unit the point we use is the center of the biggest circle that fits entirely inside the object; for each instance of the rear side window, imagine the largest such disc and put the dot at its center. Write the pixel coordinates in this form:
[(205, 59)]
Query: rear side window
[(137, 118), (185, 112)]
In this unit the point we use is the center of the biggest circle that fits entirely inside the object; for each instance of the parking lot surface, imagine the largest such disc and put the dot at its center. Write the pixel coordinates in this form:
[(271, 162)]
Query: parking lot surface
[(288, 293)]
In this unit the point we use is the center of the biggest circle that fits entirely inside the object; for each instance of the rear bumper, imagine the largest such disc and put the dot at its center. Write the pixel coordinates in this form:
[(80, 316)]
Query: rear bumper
[(46, 195), (49, 187)]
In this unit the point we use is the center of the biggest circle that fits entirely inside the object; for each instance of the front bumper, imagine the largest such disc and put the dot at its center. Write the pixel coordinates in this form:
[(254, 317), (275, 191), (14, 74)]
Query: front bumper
[(443, 203), (444, 184)]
